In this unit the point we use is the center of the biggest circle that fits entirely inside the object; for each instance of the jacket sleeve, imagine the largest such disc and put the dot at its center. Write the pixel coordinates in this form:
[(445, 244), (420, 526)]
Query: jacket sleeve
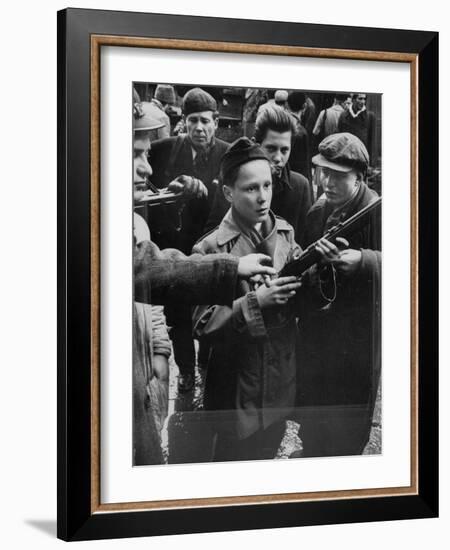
[(167, 276), (244, 316), (318, 125), (160, 336)]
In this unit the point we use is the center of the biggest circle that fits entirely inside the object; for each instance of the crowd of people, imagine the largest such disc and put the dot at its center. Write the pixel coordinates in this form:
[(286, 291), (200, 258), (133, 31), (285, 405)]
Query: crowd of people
[(207, 257)]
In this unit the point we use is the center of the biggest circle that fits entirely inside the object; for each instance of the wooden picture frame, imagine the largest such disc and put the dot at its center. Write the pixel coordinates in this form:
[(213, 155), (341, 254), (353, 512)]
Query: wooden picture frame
[(81, 35)]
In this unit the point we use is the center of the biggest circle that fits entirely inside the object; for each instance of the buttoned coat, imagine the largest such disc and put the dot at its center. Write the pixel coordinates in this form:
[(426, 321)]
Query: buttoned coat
[(251, 368), (340, 345)]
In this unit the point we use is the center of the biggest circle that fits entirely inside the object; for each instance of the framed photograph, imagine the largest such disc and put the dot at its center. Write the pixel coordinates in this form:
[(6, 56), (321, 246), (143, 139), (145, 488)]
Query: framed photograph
[(247, 255)]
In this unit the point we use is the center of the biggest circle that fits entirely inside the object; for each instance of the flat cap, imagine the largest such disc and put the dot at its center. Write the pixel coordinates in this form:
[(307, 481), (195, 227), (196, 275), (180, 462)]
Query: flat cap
[(165, 93), (243, 150), (342, 152), (197, 100)]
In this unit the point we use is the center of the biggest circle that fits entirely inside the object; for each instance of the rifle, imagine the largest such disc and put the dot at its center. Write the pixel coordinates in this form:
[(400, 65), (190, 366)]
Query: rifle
[(161, 197), (344, 229)]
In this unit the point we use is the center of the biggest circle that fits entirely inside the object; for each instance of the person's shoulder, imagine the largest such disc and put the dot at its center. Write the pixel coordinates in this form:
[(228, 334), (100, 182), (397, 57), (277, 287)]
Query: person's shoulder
[(163, 144), (300, 130), (221, 145), (368, 195), (298, 181), (283, 226), (207, 243), (318, 206)]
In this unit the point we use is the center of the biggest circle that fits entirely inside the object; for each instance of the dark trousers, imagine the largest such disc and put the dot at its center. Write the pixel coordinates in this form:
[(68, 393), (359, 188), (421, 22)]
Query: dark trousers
[(335, 430), (179, 318), (263, 444)]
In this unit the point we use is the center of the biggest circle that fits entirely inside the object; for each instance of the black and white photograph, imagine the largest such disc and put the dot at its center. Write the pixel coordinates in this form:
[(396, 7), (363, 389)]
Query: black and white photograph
[(257, 273)]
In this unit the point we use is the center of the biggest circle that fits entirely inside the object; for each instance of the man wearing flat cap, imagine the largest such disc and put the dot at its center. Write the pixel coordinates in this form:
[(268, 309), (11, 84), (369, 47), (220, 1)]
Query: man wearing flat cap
[(196, 154), (339, 346), (251, 368)]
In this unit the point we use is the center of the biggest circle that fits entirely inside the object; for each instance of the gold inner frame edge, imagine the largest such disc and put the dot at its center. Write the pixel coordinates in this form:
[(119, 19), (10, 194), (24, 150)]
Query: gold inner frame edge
[(263, 49)]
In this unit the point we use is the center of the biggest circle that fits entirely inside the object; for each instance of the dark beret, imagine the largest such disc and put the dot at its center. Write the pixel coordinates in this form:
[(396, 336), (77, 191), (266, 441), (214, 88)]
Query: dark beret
[(342, 152), (197, 100), (243, 150)]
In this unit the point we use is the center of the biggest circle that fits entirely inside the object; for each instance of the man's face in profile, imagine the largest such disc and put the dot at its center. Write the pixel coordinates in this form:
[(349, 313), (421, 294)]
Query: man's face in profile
[(141, 167)]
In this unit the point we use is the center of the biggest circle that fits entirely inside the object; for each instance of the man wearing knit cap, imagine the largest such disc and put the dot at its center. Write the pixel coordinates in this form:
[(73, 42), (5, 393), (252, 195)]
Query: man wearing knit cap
[(251, 368), (196, 154), (339, 347), (157, 108)]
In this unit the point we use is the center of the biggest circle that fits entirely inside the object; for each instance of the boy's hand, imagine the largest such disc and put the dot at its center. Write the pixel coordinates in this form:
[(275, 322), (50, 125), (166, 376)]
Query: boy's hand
[(254, 264), (278, 292)]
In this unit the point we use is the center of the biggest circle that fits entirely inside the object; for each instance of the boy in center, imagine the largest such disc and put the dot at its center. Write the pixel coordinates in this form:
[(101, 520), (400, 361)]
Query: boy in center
[(251, 369)]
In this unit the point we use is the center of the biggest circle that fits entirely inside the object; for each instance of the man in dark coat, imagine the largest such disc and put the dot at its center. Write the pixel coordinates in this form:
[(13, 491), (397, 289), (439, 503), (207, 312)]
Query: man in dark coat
[(300, 159), (291, 200), (197, 154), (360, 122), (339, 348)]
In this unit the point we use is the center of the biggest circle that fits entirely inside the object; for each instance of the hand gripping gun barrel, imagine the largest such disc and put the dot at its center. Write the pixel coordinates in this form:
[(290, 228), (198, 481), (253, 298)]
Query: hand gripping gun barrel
[(344, 229)]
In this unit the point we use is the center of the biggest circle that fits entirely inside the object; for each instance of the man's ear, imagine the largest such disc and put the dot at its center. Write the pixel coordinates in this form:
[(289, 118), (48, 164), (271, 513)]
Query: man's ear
[(228, 193), (216, 123)]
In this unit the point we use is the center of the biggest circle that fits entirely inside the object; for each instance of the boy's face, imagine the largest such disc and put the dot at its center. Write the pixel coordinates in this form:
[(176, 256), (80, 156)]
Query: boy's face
[(251, 194), (277, 146), (338, 186)]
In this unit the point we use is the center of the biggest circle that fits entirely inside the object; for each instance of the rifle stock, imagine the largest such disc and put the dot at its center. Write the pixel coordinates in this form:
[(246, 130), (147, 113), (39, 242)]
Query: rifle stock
[(344, 229)]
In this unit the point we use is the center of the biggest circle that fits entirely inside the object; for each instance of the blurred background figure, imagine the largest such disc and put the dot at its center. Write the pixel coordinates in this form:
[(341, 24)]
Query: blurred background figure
[(359, 121), (300, 159), (159, 106), (328, 120)]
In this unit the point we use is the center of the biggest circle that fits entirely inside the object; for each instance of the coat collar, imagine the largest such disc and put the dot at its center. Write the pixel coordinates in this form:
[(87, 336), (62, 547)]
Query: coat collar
[(284, 180), (229, 230)]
